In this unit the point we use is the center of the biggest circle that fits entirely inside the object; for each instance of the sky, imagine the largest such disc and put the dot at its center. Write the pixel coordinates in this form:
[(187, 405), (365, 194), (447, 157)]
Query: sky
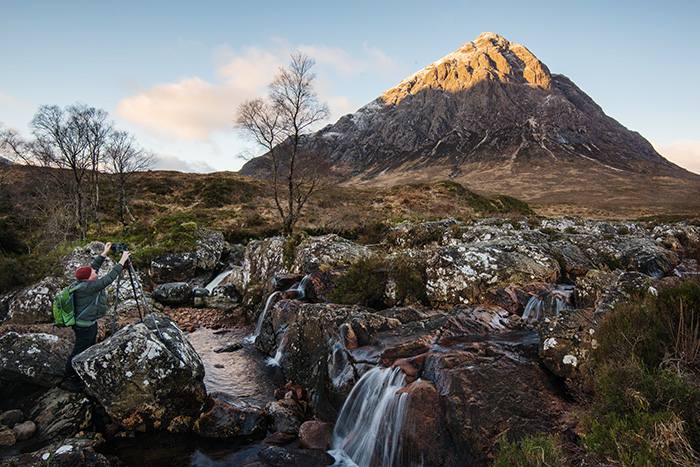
[(173, 73)]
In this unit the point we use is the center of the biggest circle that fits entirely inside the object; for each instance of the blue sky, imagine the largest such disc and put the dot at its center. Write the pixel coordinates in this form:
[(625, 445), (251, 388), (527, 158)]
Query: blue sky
[(173, 72)]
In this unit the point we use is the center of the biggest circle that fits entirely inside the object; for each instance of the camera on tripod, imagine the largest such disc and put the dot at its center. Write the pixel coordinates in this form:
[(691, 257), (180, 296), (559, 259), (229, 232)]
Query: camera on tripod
[(120, 247)]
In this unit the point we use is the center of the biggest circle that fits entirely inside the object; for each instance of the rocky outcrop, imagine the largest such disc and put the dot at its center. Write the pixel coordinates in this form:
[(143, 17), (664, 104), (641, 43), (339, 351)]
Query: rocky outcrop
[(145, 376), (33, 358), (191, 266)]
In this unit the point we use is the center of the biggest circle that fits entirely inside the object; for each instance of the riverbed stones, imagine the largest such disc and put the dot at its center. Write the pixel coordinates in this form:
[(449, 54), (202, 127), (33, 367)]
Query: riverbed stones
[(145, 375)]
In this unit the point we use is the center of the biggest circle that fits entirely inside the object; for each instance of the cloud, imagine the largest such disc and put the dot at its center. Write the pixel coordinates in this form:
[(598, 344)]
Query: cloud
[(11, 101), (193, 109), (685, 153), (169, 162)]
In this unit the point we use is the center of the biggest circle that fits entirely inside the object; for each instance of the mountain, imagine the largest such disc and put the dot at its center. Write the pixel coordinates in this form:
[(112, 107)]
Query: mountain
[(493, 117)]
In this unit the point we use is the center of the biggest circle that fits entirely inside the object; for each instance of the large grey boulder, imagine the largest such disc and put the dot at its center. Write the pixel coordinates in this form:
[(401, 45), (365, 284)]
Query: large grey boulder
[(35, 358), (173, 293), (146, 375), (263, 259), (173, 267), (211, 246), (34, 304), (327, 252)]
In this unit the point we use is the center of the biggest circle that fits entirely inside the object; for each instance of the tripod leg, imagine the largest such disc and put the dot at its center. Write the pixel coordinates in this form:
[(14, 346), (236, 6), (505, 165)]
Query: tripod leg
[(133, 287), (116, 300), (132, 274)]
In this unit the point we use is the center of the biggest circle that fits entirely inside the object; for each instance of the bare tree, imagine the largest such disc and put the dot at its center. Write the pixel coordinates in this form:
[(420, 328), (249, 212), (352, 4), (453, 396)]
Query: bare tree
[(124, 158), (70, 140), (278, 123)]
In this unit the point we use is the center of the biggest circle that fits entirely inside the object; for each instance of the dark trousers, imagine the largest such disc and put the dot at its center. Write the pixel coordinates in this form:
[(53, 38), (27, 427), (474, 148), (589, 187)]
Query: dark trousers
[(84, 339)]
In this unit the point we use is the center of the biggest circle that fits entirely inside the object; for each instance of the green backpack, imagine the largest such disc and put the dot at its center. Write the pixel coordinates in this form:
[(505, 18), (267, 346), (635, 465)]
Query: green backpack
[(63, 309)]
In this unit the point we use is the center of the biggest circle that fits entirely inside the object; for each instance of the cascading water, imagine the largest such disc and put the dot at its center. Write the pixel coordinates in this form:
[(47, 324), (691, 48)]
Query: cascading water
[(368, 430), (299, 288), (217, 280), (553, 300)]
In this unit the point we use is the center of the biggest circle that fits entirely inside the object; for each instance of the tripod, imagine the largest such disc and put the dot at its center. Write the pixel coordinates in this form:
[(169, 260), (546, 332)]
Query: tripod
[(134, 281)]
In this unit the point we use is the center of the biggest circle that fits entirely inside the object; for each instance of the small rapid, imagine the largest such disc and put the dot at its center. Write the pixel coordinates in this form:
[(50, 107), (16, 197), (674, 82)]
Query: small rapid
[(368, 430)]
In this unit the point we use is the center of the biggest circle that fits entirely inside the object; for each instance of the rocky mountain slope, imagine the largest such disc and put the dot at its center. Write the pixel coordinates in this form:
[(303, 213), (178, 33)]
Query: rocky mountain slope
[(493, 117)]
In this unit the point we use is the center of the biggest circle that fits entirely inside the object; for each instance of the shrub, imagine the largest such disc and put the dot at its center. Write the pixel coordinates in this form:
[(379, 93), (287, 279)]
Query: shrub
[(363, 284), (366, 283), (645, 371)]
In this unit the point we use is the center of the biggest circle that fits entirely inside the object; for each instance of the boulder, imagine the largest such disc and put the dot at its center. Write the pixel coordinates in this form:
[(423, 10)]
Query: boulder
[(60, 413), (460, 274), (145, 375), (317, 435), (36, 358), (491, 388), (34, 304), (327, 252), (11, 417), (287, 415), (24, 430), (173, 267), (412, 235), (173, 294), (566, 341), (425, 439), (7, 436), (211, 246), (226, 416), (263, 260)]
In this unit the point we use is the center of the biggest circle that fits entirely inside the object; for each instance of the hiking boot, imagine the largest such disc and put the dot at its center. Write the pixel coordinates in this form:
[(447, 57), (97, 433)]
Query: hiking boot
[(71, 385)]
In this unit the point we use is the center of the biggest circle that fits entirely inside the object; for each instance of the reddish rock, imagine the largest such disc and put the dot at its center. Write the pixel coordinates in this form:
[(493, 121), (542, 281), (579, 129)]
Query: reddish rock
[(316, 434), (425, 438), (24, 430), (407, 349)]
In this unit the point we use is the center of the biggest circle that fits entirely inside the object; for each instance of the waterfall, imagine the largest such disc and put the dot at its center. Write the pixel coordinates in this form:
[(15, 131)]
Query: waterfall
[(368, 429), (217, 280), (299, 288), (553, 301)]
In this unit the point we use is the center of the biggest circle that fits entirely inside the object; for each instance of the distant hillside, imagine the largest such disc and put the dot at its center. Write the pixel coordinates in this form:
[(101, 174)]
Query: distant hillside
[(492, 117)]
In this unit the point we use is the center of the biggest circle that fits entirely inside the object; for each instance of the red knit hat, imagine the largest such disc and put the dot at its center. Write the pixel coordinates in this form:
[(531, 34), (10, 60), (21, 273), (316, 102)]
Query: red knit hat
[(83, 273)]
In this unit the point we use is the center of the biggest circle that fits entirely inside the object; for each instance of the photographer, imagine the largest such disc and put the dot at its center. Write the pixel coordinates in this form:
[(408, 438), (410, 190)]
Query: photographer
[(90, 304)]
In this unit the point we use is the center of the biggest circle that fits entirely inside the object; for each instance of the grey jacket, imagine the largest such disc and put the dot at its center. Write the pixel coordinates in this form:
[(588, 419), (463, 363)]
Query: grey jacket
[(89, 299)]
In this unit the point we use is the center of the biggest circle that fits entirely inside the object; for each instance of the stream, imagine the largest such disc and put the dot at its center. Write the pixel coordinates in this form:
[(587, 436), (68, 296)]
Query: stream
[(242, 373)]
